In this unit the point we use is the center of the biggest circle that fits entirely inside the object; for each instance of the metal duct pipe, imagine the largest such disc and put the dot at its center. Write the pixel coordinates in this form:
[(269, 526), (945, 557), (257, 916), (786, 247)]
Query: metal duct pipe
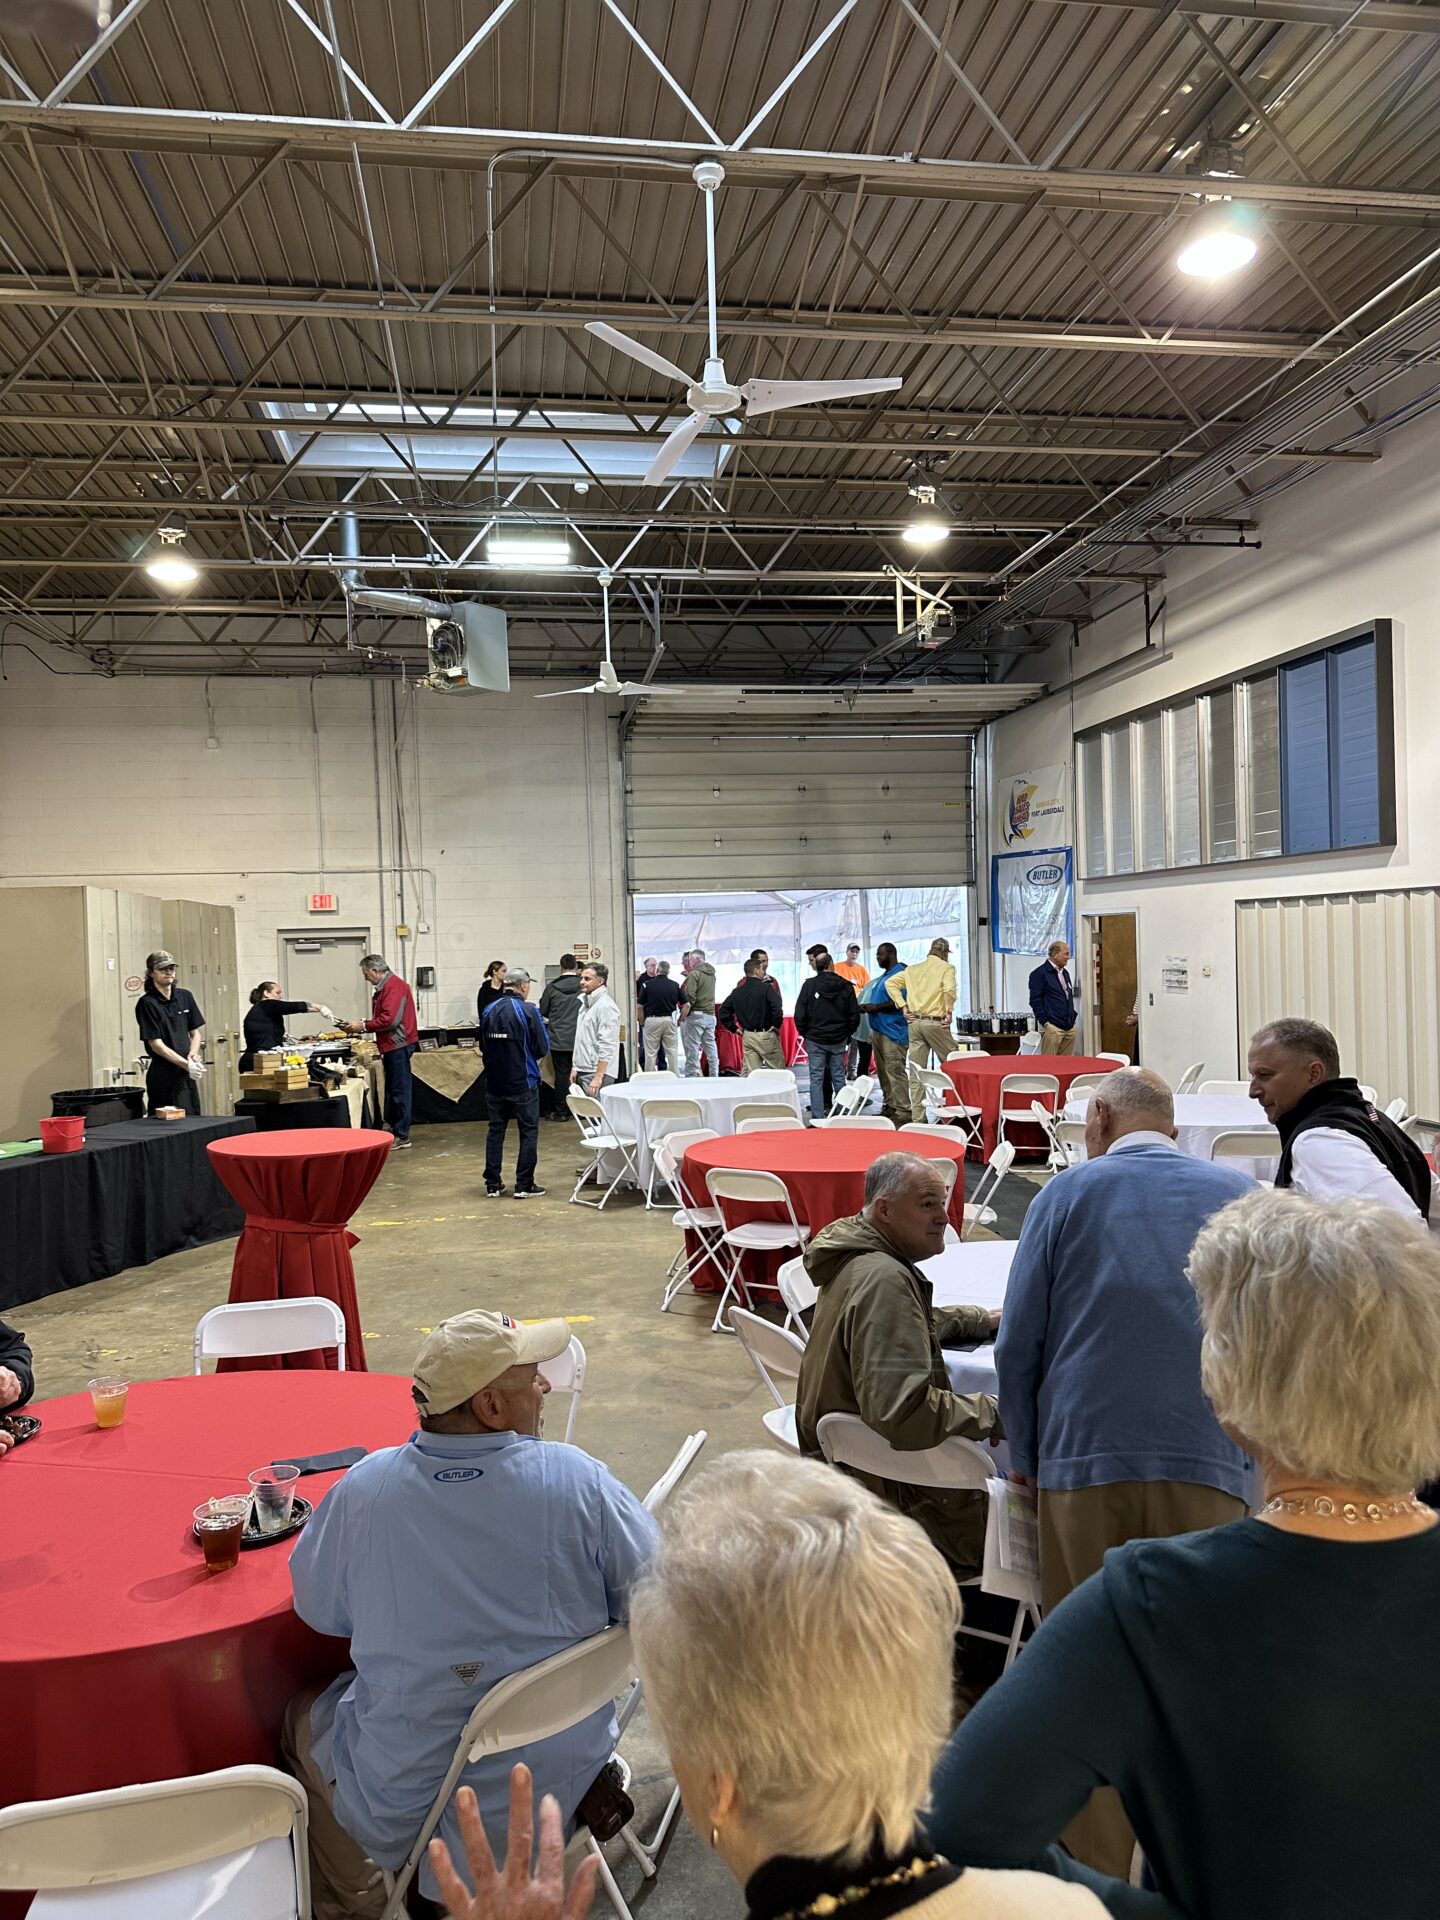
[(379, 599)]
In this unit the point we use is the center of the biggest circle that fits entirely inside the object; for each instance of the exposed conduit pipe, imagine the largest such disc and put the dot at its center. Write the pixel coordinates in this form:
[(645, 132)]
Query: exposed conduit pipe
[(379, 599)]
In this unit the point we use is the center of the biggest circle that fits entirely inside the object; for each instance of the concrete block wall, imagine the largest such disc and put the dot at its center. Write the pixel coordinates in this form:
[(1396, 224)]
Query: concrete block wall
[(498, 816)]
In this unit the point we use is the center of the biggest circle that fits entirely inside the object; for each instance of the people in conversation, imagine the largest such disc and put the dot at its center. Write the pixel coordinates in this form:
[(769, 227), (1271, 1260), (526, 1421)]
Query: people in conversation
[(265, 1022)]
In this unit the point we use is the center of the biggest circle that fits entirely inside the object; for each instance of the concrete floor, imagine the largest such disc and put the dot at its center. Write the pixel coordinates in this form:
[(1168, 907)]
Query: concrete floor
[(433, 1245)]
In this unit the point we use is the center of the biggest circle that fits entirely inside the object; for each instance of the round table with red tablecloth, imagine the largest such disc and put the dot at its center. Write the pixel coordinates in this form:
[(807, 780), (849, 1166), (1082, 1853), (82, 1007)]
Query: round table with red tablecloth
[(730, 1047), (299, 1190), (824, 1171), (121, 1659), (978, 1084)]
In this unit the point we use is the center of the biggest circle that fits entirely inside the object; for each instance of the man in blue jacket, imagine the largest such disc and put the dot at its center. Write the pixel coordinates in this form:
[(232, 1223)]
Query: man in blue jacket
[(513, 1042), (1052, 1000)]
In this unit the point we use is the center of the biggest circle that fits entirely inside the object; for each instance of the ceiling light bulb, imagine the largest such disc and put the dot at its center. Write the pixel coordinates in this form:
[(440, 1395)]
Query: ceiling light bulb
[(528, 550), (927, 529), (1217, 247), (172, 570)]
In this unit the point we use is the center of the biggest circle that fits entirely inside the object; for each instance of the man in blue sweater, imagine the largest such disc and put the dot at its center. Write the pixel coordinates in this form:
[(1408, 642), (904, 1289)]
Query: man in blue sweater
[(1098, 1360), (513, 1042)]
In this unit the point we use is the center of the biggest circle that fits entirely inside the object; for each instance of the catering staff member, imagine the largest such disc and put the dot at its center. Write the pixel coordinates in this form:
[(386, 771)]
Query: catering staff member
[(265, 1022), (172, 1028)]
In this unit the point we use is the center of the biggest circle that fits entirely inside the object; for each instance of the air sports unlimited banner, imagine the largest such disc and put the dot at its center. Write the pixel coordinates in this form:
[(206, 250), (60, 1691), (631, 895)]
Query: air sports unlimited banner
[(1033, 808)]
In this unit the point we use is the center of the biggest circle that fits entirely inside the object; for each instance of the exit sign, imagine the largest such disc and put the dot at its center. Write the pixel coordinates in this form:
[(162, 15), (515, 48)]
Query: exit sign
[(324, 903)]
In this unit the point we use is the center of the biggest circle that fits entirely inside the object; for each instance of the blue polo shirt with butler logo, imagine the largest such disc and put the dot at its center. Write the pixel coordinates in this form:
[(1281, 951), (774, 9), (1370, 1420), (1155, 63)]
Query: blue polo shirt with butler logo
[(450, 1563)]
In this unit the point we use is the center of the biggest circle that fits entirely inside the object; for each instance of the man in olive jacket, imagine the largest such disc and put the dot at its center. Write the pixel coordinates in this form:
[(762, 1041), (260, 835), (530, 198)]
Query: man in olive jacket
[(875, 1346)]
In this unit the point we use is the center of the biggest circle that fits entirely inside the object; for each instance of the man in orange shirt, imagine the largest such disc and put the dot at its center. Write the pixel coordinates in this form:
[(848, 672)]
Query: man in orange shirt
[(858, 1058)]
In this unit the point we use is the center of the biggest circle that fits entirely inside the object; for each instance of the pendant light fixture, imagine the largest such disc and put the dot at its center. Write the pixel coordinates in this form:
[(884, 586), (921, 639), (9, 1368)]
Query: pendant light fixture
[(168, 566)]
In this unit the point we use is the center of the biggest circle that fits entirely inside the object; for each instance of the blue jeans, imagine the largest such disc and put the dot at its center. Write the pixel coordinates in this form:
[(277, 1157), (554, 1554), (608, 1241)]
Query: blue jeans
[(697, 1030), (524, 1109), (399, 1091), (826, 1063)]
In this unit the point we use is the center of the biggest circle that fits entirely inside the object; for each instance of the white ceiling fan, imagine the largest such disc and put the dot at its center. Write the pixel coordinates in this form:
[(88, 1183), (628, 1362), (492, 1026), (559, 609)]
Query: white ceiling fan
[(712, 395), (609, 681)]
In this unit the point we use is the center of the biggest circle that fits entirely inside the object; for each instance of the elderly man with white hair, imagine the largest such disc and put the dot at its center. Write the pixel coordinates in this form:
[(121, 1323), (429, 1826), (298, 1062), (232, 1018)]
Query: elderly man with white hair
[(793, 1635), (1264, 1696), (876, 1345), (1099, 1361)]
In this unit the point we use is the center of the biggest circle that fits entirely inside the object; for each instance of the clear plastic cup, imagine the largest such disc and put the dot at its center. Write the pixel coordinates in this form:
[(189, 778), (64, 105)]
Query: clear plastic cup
[(108, 1399), (220, 1524), (274, 1491)]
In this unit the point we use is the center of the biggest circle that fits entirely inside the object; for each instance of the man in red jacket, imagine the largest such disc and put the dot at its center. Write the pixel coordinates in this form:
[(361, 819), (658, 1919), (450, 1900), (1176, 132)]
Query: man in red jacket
[(393, 1023)]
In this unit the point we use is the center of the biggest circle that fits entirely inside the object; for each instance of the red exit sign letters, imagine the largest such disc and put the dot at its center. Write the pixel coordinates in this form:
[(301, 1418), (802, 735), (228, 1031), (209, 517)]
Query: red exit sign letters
[(324, 903)]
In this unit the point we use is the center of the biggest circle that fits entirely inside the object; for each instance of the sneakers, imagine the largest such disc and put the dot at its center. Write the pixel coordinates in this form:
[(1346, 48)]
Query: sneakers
[(404, 1143), (529, 1193), (496, 1193)]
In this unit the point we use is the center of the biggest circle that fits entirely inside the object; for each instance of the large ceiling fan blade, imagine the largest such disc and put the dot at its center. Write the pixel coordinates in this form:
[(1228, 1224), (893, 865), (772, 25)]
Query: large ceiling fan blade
[(563, 693), (674, 449), (770, 396), (647, 356)]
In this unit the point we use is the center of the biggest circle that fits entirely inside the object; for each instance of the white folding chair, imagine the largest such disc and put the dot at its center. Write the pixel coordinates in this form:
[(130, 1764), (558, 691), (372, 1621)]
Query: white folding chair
[(1026, 1088), (536, 1704), (980, 1211), (776, 1353), (956, 1464), (1190, 1079), (781, 1123), (1397, 1110), (1029, 1043), (874, 1122), (601, 1138), (1050, 1127), (759, 1079), (1369, 1093), (849, 1099), (566, 1374), (799, 1293), (652, 1073), (1225, 1086), (1085, 1083), (932, 1128), (1120, 1059), (1261, 1143), (742, 1186), (761, 1110), (1071, 1134), (943, 1105), (659, 1117), (231, 1844), (665, 1486), (249, 1328), (692, 1216)]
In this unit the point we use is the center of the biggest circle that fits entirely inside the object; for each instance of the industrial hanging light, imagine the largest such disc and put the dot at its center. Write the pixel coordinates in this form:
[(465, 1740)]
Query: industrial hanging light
[(168, 567), (1226, 236), (926, 526)]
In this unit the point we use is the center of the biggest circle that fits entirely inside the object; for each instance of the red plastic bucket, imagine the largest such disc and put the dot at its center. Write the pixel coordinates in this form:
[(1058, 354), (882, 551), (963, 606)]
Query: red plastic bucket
[(65, 1135)]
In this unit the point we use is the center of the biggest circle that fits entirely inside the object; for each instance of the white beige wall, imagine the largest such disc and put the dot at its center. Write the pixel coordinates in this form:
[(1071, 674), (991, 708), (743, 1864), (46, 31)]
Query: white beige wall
[(512, 842), (1345, 547)]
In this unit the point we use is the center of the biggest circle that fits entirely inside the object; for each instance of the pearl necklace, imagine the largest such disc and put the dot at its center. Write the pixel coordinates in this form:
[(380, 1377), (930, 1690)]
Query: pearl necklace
[(830, 1903), (1322, 1507)]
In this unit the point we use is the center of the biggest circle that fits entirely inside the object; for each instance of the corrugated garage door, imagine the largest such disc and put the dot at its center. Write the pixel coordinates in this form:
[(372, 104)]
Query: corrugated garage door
[(1367, 965), (793, 791)]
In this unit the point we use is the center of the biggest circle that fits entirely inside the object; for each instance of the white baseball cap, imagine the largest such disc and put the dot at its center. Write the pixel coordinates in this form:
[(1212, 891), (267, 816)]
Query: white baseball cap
[(470, 1350)]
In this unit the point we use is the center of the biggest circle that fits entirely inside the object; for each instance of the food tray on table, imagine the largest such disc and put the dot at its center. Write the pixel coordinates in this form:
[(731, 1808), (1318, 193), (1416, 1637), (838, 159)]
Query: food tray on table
[(20, 1426), (253, 1537)]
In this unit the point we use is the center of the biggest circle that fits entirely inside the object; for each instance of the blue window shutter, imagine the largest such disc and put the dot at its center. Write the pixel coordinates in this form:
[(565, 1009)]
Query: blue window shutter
[(1305, 756), (1354, 757)]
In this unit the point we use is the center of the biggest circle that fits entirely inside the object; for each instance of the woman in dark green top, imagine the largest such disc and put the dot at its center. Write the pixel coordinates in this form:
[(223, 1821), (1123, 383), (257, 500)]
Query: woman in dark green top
[(1265, 1696)]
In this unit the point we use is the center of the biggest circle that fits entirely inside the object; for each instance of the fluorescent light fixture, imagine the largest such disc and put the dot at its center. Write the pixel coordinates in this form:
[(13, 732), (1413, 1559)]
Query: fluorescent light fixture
[(1220, 243), (926, 528), (528, 550)]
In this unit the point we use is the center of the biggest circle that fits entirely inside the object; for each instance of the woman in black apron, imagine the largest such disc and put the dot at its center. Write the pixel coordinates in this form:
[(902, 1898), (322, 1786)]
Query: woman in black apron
[(265, 1022)]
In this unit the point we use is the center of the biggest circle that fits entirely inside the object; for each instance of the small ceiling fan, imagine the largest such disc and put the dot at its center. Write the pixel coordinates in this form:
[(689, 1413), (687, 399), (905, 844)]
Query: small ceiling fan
[(712, 395), (609, 681)]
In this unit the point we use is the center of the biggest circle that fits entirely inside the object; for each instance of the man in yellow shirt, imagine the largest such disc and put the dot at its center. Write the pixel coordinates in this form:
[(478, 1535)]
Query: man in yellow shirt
[(925, 994), (857, 1059)]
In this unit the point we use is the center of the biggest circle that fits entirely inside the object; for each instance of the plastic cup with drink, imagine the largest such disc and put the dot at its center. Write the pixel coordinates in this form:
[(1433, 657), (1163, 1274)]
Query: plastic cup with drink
[(274, 1491), (220, 1524), (108, 1399)]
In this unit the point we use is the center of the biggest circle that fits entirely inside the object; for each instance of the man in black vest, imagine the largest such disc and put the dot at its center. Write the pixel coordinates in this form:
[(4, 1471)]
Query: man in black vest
[(1333, 1142)]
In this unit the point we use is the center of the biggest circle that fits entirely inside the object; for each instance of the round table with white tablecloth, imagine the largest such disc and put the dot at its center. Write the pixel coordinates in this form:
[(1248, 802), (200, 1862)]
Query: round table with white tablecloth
[(1200, 1118), (716, 1099), (974, 1273)]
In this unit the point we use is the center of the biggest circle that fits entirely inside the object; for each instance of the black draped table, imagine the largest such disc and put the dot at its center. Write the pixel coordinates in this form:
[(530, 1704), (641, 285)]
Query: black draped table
[(133, 1193)]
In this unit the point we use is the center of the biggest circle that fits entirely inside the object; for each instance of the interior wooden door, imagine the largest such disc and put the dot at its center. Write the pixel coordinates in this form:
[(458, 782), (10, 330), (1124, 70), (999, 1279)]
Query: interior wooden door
[(1118, 986)]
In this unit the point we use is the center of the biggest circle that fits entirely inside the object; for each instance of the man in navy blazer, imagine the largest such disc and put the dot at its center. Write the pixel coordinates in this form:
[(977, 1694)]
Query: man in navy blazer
[(1052, 1000)]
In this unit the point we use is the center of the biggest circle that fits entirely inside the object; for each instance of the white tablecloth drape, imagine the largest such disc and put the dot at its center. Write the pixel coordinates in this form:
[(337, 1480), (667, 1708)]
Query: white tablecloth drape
[(717, 1100), (1201, 1117), (973, 1274)]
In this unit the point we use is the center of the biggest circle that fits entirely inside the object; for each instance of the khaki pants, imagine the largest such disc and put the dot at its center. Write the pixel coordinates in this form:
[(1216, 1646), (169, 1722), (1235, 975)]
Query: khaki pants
[(762, 1050), (1075, 1531), (345, 1883), (1057, 1039), (890, 1066), (926, 1037)]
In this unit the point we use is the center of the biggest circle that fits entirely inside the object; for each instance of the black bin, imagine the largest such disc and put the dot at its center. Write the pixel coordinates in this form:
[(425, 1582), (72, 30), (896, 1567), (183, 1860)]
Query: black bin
[(99, 1106)]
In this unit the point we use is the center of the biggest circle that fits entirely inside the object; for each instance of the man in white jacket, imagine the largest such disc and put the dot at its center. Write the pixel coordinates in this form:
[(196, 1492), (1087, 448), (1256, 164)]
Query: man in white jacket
[(597, 1033)]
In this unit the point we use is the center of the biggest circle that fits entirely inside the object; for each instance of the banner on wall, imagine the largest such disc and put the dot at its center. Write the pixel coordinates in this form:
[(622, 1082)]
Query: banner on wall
[(1032, 901), (1032, 806)]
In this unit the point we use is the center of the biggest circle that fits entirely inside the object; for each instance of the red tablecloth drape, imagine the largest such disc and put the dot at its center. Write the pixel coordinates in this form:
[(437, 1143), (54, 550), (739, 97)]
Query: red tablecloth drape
[(730, 1046), (298, 1190), (978, 1084), (824, 1169), (121, 1659)]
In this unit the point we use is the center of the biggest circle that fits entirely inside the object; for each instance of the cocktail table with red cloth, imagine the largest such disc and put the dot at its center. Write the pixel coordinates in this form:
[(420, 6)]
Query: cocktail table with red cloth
[(978, 1084), (121, 1659), (299, 1190), (824, 1170), (730, 1047)]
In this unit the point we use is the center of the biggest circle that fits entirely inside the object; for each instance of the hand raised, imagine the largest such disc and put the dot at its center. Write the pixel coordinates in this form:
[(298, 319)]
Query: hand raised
[(513, 1894)]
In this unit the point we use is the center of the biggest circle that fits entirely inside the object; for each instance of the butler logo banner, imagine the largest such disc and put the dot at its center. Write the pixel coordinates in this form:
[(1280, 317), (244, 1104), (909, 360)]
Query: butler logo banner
[(1033, 807), (1031, 900)]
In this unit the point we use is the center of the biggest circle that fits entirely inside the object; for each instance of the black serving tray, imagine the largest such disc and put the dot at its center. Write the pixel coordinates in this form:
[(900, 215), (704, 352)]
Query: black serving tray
[(253, 1537)]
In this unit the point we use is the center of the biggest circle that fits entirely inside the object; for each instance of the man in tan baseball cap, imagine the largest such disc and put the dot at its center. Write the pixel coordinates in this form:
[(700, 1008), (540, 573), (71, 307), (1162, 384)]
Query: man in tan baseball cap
[(479, 1372)]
